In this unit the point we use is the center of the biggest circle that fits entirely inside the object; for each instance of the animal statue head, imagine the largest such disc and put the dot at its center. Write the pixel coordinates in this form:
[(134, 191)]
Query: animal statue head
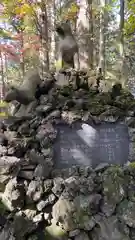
[(63, 29), (11, 94), (18, 95)]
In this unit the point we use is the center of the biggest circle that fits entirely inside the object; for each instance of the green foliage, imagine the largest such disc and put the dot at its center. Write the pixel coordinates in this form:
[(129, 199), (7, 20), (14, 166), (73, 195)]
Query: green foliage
[(21, 33), (130, 20)]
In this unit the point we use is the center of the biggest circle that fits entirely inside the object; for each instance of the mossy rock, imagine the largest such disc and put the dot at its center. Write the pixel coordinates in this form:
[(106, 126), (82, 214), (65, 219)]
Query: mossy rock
[(130, 173), (104, 98), (132, 165), (54, 232), (126, 212), (125, 101), (3, 208), (96, 108), (114, 188), (66, 91), (3, 181), (113, 111)]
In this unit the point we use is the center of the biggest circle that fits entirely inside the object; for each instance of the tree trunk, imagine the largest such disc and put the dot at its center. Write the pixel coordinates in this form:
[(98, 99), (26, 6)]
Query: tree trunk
[(83, 34), (90, 33), (102, 39), (3, 105), (44, 50), (123, 68), (22, 62), (51, 19), (1, 68)]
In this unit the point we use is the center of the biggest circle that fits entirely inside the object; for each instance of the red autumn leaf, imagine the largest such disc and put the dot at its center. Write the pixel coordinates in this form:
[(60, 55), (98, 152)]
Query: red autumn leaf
[(10, 50)]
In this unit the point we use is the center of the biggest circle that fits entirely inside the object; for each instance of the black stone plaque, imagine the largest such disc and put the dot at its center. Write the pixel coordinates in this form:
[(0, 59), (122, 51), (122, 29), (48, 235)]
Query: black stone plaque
[(87, 145)]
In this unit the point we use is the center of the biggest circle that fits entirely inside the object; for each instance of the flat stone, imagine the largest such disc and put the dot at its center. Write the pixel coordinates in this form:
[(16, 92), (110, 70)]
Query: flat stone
[(26, 174)]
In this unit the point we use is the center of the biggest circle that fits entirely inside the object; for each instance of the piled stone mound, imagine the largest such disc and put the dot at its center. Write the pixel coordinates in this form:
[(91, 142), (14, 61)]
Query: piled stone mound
[(80, 203)]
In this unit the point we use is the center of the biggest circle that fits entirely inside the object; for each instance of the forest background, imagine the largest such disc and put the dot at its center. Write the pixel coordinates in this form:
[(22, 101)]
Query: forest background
[(104, 29)]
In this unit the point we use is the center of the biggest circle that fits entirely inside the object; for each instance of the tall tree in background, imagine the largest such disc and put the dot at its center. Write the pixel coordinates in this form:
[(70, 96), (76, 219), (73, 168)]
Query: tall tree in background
[(91, 35), (1, 67), (83, 33), (44, 51), (121, 43), (51, 10), (102, 38)]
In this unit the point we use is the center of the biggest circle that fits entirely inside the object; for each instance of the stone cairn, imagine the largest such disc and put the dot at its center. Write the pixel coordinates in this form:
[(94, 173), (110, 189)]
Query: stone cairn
[(38, 201)]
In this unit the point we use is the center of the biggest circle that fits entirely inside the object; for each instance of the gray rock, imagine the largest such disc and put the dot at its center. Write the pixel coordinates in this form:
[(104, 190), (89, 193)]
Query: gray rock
[(24, 129), (3, 181), (35, 190), (7, 233), (30, 213), (22, 226), (48, 152), (41, 205), (11, 135), (130, 121), (111, 119), (33, 237), (11, 151), (3, 139), (35, 122), (126, 212), (38, 218), (54, 232), (87, 185), (47, 216), (88, 204), (72, 184), (2, 220), (82, 236), (44, 203), (43, 99), (73, 171), (131, 184), (44, 109), (27, 167), (108, 228), (87, 223), (42, 171), (58, 186), (3, 150), (26, 174), (62, 213), (14, 194), (46, 131), (35, 157), (114, 187), (50, 199), (130, 113), (101, 167), (48, 184), (132, 233), (85, 171), (74, 233), (53, 115), (70, 116), (7, 162)]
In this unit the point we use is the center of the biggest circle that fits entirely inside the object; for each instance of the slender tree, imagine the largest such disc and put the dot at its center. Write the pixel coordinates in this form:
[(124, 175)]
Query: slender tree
[(123, 69), (102, 38)]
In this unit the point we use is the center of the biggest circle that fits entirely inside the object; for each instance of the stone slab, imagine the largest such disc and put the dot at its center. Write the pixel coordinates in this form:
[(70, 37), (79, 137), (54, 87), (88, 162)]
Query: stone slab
[(90, 145)]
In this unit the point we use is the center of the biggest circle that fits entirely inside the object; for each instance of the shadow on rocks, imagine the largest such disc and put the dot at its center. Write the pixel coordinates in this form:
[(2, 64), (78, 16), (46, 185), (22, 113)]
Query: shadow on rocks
[(18, 227)]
